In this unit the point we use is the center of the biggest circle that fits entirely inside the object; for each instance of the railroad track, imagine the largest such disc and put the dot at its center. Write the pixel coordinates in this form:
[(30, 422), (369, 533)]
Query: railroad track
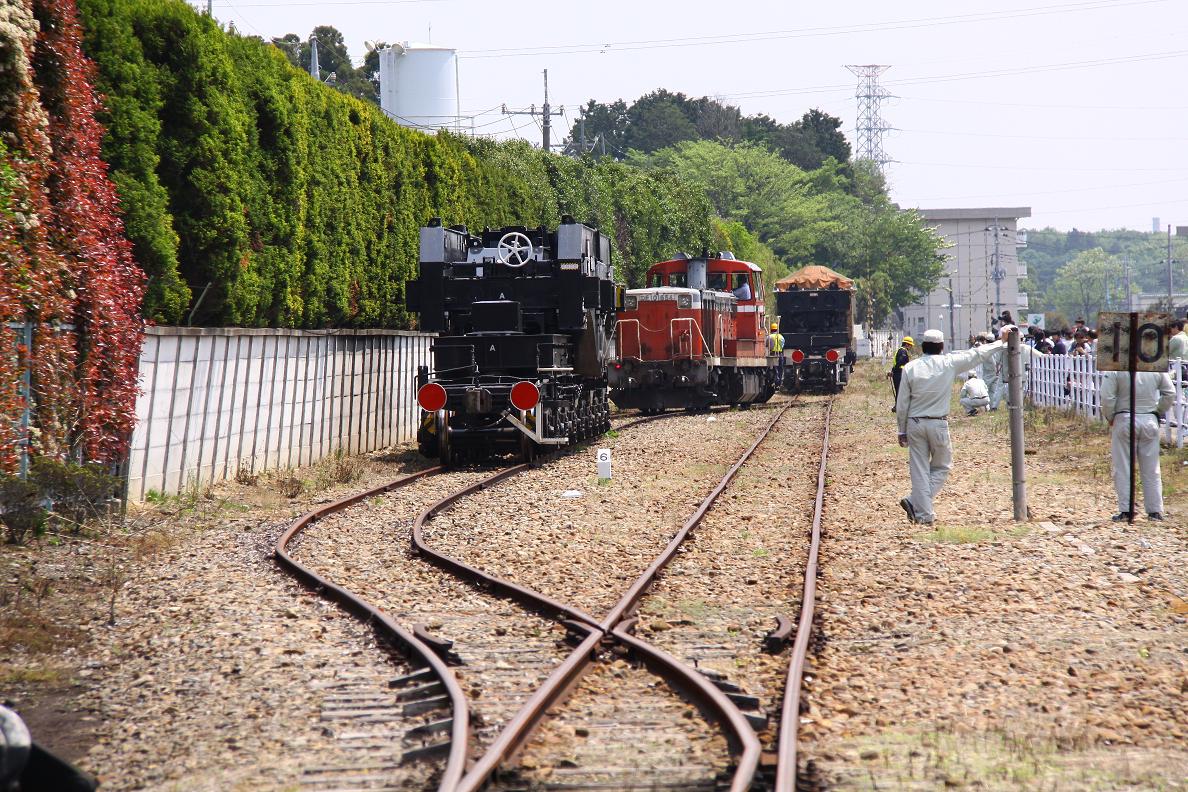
[(539, 632), (723, 700), (393, 728)]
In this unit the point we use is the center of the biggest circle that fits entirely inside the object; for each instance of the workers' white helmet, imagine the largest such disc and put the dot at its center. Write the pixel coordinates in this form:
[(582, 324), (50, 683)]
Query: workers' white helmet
[(933, 337)]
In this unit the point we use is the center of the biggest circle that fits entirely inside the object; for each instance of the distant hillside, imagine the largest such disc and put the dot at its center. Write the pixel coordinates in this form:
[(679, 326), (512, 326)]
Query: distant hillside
[(1048, 250)]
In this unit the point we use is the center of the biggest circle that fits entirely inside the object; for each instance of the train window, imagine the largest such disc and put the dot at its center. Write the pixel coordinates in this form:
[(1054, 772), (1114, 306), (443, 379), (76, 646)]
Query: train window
[(741, 286), (655, 279), (717, 281), (680, 279)]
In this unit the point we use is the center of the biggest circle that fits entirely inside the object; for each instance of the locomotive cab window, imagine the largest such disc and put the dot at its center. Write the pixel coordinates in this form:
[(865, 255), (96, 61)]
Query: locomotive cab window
[(740, 285), (717, 281), (679, 279)]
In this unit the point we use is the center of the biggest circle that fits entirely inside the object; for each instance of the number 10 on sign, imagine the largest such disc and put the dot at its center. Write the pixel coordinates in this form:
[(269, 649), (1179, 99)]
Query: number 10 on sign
[(1114, 341)]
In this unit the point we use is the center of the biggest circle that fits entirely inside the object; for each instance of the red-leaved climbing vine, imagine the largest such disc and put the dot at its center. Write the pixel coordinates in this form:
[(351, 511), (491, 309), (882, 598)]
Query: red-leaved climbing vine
[(68, 267)]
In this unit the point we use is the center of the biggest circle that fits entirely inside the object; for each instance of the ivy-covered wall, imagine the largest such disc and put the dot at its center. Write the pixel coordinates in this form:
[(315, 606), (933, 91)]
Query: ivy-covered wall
[(67, 278), (300, 206)]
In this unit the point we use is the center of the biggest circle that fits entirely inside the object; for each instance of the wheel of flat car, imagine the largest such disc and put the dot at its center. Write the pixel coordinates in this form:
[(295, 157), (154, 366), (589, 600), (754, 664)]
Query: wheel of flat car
[(515, 249)]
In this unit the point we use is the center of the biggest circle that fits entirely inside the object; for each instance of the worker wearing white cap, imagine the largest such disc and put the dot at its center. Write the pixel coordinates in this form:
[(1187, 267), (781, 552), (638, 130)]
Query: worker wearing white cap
[(1153, 395), (922, 412)]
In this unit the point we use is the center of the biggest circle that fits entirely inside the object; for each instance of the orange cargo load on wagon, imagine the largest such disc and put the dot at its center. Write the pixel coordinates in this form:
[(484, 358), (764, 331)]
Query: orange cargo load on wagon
[(814, 276)]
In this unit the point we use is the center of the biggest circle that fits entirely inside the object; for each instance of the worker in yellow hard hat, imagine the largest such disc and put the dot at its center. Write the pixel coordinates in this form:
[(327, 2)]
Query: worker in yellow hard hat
[(902, 356), (775, 346)]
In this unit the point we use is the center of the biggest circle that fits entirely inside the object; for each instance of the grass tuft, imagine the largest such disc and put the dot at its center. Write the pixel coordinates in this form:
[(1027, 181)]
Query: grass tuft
[(958, 534)]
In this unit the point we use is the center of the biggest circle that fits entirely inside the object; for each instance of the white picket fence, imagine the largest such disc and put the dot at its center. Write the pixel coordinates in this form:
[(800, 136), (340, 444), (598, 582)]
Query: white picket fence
[(1074, 383)]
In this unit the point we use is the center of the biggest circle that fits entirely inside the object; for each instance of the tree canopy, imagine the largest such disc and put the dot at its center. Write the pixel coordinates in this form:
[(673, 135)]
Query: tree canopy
[(1049, 251), (662, 118), (836, 215), (299, 205), (334, 59)]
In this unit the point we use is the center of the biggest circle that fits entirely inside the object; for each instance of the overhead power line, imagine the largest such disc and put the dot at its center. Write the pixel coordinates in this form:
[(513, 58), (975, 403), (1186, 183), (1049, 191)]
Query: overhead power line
[(809, 32)]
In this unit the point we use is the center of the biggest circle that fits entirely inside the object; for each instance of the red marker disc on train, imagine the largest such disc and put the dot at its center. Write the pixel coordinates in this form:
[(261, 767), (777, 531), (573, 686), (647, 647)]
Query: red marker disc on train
[(797, 356), (524, 395), (431, 397)]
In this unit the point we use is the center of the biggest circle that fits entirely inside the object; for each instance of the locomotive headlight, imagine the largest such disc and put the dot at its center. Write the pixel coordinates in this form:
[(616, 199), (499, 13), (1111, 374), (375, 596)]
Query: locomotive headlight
[(630, 302), (684, 301)]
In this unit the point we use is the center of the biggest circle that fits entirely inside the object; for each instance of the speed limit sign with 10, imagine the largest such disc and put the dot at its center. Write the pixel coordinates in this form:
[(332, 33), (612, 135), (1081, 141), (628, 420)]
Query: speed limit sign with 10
[(1113, 341)]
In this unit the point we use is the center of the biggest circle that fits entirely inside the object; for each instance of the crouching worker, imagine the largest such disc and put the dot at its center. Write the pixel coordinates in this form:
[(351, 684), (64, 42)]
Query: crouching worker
[(922, 412), (1153, 395), (974, 394)]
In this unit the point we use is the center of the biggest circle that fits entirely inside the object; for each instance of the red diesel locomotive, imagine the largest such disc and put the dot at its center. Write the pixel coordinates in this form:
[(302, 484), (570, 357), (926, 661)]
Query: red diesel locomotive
[(696, 336)]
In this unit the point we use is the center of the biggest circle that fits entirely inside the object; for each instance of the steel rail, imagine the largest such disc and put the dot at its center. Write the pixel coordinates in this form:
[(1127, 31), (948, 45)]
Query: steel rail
[(563, 678), (527, 597), (515, 733), (740, 735), (384, 624), (786, 767), (740, 732), (641, 585)]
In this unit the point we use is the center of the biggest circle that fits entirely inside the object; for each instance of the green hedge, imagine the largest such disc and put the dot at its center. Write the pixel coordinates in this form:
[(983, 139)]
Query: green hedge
[(300, 205)]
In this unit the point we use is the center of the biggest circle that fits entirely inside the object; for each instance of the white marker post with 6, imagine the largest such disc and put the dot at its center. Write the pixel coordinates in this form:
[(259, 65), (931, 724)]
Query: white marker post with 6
[(604, 464)]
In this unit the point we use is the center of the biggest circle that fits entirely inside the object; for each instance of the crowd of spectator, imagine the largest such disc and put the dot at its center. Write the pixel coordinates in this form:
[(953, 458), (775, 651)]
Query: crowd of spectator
[(1078, 340)]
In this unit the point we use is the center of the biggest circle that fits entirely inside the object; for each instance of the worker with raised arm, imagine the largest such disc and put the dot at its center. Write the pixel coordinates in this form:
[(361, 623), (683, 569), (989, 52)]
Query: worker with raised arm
[(922, 412), (1153, 395)]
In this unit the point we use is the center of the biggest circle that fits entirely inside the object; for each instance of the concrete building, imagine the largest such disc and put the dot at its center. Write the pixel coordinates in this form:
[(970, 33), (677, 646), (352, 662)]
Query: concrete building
[(982, 270)]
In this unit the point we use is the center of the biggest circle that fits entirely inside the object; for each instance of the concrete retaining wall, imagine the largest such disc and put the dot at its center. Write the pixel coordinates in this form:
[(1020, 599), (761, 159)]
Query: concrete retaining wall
[(215, 401)]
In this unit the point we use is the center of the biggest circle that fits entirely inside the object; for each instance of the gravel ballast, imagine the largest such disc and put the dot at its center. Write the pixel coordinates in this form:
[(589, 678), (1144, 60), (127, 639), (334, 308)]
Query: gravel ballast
[(980, 650), (586, 550)]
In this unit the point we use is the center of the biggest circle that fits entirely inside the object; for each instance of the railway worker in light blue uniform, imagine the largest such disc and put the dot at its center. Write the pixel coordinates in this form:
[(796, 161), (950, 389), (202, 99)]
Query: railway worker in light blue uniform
[(922, 412), (1153, 395), (994, 371)]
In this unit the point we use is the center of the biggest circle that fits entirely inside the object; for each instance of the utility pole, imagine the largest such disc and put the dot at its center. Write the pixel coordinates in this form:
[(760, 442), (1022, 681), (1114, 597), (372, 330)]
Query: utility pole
[(997, 272), (1170, 305), (545, 112), (210, 8), (952, 324), (1126, 264), (1015, 409)]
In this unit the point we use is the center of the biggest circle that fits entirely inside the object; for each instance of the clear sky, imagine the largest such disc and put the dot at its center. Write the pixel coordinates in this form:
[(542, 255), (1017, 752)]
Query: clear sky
[(1076, 109)]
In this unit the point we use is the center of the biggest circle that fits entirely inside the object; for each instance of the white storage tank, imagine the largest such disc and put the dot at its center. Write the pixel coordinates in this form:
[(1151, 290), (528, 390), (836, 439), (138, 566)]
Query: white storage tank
[(419, 85)]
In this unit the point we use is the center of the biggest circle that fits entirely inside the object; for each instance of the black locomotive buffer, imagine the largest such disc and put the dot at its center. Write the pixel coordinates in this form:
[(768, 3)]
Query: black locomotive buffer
[(525, 318)]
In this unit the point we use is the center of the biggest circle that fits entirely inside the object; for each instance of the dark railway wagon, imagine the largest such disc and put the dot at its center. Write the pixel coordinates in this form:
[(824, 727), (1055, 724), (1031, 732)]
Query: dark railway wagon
[(525, 318), (816, 314)]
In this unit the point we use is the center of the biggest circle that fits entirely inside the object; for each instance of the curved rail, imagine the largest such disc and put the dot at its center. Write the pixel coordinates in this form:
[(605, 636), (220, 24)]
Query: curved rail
[(383, 624), (739, 733), (786, 768), (517, 730)]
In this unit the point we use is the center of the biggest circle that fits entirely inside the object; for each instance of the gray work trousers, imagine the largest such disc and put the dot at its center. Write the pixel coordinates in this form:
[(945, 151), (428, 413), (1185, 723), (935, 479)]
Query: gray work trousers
[(930, 456), (1146, 452), (969, 402), (997, 389)]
